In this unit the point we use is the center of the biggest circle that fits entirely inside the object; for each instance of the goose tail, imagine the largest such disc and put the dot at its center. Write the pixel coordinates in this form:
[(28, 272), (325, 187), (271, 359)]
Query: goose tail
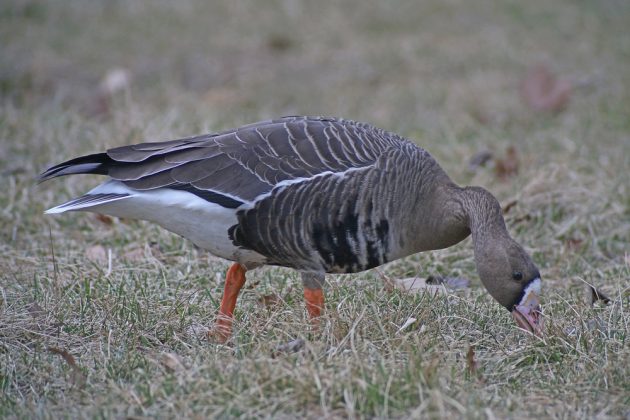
[(97, 163)]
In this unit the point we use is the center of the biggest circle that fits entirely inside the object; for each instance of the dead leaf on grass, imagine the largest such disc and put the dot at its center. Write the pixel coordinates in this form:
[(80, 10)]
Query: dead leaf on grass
[(432, 284), (291, 347), (408, 322), (543, 91), (507, 166), (506, 208), (106, 220), (417, 285), (573, 244), (453, 283), (269, 301), (77, 377), (471, 363), (596, 295), (479, 159)]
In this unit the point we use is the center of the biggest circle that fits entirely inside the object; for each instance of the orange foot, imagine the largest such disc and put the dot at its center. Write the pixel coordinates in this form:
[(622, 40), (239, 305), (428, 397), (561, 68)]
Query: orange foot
[(234, 281), (314, 304)]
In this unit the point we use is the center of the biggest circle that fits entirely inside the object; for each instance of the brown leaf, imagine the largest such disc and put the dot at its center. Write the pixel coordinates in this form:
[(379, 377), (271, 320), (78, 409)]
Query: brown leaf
[(573, 244), (388, 284), (77, 377), (542, 91), (509, 206), (106, 220), (269, 301), (508, 166), (471, 363), (596, 295)]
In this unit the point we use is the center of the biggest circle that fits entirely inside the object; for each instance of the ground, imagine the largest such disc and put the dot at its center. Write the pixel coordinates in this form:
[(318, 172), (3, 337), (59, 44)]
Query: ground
[(106, 318)]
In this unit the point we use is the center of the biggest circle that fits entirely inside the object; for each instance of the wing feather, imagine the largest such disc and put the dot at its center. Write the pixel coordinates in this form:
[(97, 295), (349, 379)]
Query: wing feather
[(243, 163)]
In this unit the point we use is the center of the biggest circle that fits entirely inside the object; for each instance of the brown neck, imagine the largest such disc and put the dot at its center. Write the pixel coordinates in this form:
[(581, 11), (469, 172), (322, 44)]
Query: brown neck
[(457, 212), (484, 216)]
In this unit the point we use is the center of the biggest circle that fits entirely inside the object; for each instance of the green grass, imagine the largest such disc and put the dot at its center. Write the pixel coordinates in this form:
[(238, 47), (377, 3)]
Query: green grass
[(445, 74)]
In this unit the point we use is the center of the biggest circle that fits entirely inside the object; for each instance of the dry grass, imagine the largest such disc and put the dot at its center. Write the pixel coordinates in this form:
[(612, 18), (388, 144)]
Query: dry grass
[(85, 335)]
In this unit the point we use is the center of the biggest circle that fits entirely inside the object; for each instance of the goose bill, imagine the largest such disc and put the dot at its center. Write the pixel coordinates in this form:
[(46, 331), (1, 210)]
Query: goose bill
[(527, 313)]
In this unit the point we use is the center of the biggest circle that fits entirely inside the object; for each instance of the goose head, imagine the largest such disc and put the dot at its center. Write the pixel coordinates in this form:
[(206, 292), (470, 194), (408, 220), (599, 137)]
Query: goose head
[(505, 268), (511, 277)]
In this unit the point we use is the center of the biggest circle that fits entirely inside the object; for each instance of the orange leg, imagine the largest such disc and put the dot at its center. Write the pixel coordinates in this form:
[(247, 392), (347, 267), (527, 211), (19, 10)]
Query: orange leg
[(314, 303), (234, 281)]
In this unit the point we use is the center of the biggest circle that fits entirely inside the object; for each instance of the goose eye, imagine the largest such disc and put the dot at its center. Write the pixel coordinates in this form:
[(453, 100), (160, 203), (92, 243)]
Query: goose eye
[(517, 275)]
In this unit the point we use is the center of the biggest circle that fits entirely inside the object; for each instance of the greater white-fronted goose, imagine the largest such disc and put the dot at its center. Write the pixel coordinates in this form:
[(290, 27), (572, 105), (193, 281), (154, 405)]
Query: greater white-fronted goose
[(320, 195)]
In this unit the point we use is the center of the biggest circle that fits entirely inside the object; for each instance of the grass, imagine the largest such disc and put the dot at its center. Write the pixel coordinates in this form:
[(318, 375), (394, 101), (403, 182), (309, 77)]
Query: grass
[(127, 332)]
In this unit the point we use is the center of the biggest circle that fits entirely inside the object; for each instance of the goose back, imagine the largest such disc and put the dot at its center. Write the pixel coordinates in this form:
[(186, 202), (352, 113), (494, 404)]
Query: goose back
[(237, 166)]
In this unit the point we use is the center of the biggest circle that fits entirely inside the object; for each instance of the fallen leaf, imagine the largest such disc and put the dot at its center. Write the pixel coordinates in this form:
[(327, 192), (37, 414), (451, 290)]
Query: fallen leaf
[(573, 244), (543, 91), (408, 322), (471, 363), (508, 166), (454, 283), (291, 347), (77, 377), (104, 219), (596, 295), (506, 209), (269, 301), (388, 284), (416, 285), (479, 160)]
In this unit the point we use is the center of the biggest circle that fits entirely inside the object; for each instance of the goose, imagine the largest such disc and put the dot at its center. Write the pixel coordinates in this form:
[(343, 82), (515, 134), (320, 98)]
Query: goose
[(316, 194)]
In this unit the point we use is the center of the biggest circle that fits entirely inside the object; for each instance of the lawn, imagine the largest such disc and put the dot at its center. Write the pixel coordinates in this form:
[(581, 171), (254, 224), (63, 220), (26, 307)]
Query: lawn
[(103, 317)]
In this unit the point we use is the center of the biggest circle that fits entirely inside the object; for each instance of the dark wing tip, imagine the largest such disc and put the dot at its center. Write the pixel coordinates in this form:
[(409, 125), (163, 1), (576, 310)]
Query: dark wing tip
[(90, 164)]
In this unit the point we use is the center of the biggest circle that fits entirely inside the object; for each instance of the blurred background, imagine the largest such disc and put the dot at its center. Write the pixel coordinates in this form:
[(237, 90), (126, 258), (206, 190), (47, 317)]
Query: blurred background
[(412, 66)]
